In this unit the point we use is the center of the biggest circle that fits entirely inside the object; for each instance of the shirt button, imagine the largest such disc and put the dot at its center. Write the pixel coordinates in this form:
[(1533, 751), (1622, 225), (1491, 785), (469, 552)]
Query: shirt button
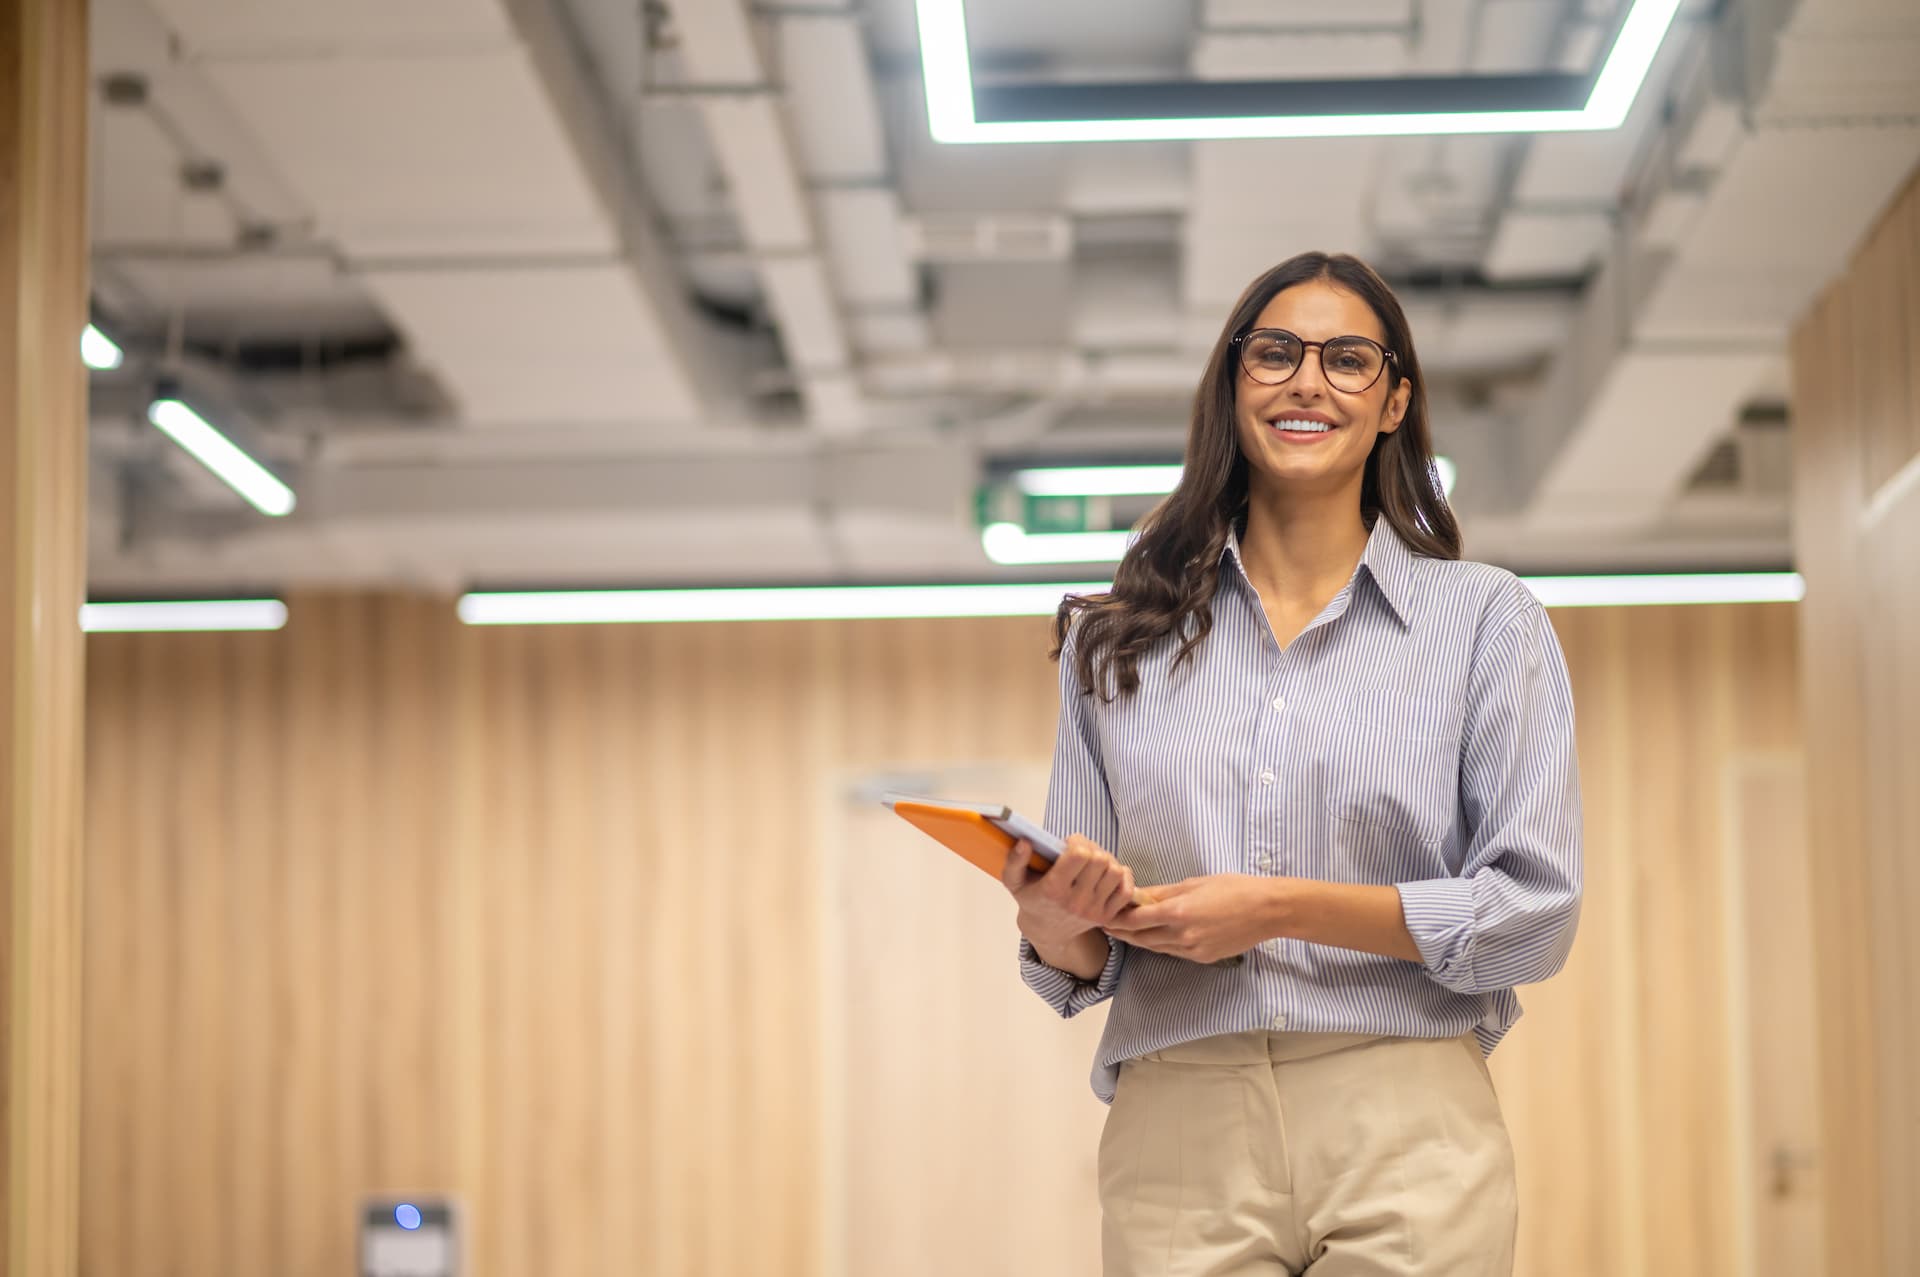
[(1279, 702), (1266, 778), (1278, 1022)]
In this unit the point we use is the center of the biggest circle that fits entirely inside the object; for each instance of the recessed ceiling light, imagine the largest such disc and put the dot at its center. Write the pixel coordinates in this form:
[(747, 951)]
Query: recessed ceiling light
[(1217, 109)]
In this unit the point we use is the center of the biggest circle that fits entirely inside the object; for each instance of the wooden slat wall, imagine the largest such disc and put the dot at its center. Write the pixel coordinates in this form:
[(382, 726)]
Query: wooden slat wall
[(43, 498), (1615, 1083), (380, 904), (1856, 412)]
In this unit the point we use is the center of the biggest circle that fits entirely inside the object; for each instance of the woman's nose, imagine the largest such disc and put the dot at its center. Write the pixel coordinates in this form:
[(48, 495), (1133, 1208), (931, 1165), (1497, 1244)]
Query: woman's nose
[(1308, 379)]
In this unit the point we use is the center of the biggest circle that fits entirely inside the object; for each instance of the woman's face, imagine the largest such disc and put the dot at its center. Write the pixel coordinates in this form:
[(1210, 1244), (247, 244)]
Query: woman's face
[(1307, 435)]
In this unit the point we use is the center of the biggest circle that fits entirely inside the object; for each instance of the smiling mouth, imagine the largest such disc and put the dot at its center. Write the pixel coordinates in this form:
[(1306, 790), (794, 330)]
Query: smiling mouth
[(1298, 425)]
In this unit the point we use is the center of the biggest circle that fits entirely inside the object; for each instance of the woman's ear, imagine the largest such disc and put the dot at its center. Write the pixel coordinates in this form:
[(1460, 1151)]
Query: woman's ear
[(1397, 404)]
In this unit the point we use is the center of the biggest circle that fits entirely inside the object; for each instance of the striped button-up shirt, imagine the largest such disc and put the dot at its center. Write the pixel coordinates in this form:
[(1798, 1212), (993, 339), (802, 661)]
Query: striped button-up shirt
[(1418, 733)]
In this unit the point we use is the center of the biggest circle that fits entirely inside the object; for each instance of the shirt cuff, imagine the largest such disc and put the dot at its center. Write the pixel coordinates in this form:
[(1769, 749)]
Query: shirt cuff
[(1439, 916), (1065, 992)]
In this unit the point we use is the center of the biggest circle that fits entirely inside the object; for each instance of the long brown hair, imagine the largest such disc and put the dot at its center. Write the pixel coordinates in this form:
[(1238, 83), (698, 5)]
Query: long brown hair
[(1172, 568)]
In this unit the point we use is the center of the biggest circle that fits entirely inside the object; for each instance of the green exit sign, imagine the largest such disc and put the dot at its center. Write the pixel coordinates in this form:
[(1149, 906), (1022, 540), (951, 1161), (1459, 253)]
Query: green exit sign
[(1056, 514)]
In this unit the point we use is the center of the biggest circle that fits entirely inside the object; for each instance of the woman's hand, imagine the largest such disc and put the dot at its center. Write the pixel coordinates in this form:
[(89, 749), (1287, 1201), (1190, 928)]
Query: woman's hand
[(1083, 891), (1200, 919)]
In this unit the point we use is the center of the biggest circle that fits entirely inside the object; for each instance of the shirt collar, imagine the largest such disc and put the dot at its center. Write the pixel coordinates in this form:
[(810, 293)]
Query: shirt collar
[(1387, 561)]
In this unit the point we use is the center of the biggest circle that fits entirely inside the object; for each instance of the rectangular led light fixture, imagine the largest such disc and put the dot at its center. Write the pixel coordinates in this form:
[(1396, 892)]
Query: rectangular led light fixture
[(1146, 481), (1098, 481), (98, 351), (960, 111), (797, 603), (219, 454), (877, 602), (1667, 590), (209, 614), (1009, 543)]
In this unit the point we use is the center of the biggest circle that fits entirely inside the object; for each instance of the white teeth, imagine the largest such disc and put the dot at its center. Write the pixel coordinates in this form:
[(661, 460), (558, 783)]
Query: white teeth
[(1294, 423)]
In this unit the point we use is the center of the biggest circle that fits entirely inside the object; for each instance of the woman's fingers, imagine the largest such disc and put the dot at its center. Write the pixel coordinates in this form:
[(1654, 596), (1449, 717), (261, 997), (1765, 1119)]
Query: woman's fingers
[(1013, 874), (1086, 884), (1118, 893)]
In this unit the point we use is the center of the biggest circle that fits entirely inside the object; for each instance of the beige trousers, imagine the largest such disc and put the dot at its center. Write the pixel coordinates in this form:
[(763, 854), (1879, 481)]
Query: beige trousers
[(1322, 1153)]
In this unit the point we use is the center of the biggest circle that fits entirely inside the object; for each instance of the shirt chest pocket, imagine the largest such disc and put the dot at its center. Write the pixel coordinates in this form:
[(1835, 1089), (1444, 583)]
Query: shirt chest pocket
[(1390, 763)]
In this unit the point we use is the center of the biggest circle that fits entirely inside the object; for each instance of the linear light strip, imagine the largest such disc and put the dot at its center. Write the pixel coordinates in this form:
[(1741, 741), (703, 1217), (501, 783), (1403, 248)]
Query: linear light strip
[(99, 351), (875, 602), (797, 603), (219, 454), (1098, 481), (1009, 543), (203, 615), (1145, 481), (1670, 589), (947, 73)]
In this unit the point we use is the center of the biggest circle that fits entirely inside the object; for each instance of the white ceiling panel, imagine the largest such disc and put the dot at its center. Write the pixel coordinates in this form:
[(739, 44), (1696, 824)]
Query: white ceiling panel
[(1302, 55), (300, 28), (421, 157), (572, 344), (128, 38), (1126, 303), (137, 193), (1141, 177), (1295, 14), (716, 43), (1257, 203), (1514, 35), (891, 332), (1542, 245), (1079, 33), (863, 234)]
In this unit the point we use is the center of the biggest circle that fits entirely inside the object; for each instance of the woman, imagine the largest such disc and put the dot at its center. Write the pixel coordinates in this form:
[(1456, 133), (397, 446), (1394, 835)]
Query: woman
[(1319, 741)]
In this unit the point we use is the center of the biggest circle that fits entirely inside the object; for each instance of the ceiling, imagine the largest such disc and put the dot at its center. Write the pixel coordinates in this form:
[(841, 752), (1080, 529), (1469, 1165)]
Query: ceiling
[(598, 292)]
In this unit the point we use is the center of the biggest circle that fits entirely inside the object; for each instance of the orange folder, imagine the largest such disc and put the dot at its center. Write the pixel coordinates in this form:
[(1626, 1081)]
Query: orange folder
[(967, 830), (982, 833)]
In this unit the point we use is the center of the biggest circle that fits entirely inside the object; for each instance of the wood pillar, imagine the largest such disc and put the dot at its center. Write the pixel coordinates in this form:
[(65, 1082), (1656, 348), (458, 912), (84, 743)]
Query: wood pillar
[(43, 416)]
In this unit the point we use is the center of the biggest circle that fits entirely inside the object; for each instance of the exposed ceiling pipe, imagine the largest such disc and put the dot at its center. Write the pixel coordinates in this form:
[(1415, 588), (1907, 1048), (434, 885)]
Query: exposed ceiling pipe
[(450, 156), (1780, 150), (741, 107)]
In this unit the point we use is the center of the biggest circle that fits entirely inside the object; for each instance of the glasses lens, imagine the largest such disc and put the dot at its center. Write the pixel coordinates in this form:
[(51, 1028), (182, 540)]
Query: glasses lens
[(1352, 363), (1271, 357)]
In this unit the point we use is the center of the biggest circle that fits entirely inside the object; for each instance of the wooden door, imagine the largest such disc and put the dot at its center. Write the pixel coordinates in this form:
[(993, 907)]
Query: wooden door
[(961, 1135)]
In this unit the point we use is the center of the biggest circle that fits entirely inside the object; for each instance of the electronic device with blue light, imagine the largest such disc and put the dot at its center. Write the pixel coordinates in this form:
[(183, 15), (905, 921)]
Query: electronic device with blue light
[(408, 1237)]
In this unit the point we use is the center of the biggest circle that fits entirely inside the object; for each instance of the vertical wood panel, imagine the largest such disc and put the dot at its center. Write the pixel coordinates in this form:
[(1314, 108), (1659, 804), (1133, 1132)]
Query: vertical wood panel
[(1891, 642), (43, 496), (1856, 440), (1779, 1220)]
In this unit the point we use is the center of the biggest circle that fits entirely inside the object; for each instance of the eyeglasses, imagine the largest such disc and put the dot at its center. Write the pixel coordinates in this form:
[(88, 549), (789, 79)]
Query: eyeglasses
[(1272, 355)]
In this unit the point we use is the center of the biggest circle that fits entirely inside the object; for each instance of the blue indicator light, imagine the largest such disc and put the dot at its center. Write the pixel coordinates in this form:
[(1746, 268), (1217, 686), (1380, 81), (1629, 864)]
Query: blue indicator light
[(407, 1217)]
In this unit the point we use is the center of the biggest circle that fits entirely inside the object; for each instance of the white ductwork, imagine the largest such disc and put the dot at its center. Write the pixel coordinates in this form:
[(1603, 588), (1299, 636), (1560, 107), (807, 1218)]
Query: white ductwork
[(817, 125), (443, 148), (1733, 231)]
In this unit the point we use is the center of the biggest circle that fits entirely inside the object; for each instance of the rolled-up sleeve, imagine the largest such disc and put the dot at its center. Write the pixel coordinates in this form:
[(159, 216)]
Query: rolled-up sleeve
[(1509, 917), (1078, 802)]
